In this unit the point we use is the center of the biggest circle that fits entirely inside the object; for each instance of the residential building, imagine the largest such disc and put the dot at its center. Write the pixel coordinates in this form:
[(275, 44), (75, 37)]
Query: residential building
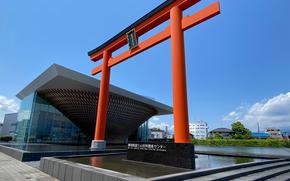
[(274, 133), (223, 132), (199, 129)]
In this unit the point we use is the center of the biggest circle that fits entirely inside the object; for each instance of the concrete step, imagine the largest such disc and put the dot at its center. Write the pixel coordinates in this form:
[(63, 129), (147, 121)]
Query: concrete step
[(261, 176), (254, 170), (282, 177), (237, 173)]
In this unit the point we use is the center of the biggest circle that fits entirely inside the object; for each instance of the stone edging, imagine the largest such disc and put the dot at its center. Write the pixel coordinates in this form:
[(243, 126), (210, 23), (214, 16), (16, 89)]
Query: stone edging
[(70, 171), (13, 152)]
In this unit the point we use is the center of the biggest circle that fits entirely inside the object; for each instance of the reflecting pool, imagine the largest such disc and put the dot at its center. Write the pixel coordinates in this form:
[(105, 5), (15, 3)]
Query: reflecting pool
[(239, 149), (225, 149), (120, 164)]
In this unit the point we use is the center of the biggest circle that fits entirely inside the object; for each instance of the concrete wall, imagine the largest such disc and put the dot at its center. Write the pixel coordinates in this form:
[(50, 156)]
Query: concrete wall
[(70, 171), (15, 153)]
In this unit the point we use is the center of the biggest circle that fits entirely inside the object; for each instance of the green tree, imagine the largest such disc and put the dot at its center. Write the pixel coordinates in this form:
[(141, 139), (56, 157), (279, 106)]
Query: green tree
[(217, 136), (240, 131)]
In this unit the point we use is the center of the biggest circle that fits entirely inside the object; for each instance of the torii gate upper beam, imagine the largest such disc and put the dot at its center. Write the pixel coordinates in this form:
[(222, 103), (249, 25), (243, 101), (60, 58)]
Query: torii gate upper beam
[(187, 22), (154, 18)]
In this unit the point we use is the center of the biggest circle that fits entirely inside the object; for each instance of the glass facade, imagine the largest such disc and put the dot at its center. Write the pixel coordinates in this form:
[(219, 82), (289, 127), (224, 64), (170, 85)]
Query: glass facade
[(143, 132), (40, 122)]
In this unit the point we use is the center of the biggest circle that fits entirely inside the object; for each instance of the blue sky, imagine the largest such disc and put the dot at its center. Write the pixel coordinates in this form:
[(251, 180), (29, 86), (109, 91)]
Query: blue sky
[(237, 63)]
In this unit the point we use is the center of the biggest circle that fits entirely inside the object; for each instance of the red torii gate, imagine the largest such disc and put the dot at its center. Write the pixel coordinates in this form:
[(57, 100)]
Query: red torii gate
[(169, 10)]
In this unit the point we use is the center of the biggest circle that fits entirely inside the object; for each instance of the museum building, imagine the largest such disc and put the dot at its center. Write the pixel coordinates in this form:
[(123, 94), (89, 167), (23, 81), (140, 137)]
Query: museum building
[(60, 107)]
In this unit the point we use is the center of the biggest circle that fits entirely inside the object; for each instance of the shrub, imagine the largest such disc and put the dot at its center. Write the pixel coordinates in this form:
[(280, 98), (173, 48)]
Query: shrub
[(218, 136), (243, 142)]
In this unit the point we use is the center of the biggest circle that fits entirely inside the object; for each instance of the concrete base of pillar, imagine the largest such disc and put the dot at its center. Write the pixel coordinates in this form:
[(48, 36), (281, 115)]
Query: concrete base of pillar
[(98, 145)]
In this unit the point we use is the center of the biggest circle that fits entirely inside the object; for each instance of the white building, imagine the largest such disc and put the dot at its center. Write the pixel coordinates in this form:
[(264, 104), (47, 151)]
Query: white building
[(156, 133), (198, 129), (274, 133), (9, 124)]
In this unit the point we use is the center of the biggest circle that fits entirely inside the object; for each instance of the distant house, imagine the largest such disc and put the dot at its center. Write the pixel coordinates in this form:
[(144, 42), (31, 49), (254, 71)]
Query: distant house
[(224, 132), (274, 133), (260, 135)]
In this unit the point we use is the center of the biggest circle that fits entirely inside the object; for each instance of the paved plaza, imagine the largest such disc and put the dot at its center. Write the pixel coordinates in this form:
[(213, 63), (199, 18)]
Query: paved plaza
[(14, 170)]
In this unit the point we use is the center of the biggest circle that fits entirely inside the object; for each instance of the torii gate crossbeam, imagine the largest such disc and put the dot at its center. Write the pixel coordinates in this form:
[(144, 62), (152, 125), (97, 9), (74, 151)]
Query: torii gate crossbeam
[(169, 10)]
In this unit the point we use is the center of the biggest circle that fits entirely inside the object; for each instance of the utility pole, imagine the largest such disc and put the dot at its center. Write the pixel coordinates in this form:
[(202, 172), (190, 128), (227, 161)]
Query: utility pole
[(258, 130)]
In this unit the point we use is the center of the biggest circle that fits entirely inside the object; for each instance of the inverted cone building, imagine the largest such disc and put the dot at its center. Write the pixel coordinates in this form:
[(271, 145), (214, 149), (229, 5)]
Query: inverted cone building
[(60, 106)]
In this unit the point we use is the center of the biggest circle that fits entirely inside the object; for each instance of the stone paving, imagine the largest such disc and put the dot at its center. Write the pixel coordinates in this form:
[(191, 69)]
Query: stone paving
[(14, 170)]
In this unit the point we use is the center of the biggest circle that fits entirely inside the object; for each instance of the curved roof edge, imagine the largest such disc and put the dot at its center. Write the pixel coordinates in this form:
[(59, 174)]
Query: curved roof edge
[(57, 76), (223, 130)]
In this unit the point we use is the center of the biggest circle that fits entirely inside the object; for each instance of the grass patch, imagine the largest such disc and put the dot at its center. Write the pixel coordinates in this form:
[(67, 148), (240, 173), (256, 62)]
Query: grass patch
[(275, 143)]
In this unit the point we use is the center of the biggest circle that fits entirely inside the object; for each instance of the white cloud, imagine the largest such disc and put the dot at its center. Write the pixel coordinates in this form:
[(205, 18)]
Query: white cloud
[(274, 112), (157, 125), (7, 106), (154, 118), (231, 116), (236, 114)]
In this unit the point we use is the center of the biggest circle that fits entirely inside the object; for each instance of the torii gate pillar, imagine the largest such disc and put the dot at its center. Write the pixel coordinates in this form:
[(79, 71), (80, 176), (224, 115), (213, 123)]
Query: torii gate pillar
[(180, 110), (99, 142)]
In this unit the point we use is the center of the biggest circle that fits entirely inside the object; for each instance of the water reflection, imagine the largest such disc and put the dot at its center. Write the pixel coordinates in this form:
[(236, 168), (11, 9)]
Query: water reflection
[(120, 164), (96, 161), (207, 161), (224, 149), (239, 149)]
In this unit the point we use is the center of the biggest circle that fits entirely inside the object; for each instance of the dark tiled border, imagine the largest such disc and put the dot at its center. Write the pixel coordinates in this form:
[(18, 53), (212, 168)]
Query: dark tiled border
[(26, 156)]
